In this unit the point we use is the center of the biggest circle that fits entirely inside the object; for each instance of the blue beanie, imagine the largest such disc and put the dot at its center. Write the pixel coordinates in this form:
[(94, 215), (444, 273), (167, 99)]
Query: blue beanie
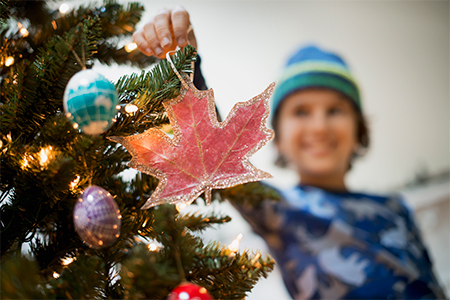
[(313, 67)]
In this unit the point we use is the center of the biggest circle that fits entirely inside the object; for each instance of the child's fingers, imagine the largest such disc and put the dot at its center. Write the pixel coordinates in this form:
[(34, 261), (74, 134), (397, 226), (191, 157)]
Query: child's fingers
[(162, 27), (152, 39), (141, 42), (164, 32), (180, 25)]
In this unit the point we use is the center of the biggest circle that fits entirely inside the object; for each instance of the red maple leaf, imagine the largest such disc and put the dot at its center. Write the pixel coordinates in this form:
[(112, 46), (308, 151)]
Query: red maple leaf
[(204, 154)]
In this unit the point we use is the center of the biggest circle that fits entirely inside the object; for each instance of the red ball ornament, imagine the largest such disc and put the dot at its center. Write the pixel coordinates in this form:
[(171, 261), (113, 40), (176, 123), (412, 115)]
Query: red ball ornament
[(189, 291)]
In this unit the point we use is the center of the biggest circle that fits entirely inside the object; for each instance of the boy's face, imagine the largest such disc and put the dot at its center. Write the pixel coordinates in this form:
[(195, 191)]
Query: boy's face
[(317, 133)]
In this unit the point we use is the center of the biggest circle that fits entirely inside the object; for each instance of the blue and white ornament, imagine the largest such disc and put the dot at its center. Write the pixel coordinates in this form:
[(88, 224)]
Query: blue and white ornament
[(90, 102), (97, 217)]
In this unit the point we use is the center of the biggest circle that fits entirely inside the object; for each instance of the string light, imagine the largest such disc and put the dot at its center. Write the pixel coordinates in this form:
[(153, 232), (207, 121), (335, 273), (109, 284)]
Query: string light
[(44, 155), (55, 275), (64, 8), (9, 61), (74, 183), (130, 47), (23, 31), (255, 259), (67, 261), (152, 247), (25, 163), (130, 108), (234, 246)]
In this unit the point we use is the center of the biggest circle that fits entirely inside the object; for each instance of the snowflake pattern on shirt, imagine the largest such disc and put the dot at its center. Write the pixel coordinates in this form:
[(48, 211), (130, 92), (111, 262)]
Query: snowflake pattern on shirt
[(340, 245)]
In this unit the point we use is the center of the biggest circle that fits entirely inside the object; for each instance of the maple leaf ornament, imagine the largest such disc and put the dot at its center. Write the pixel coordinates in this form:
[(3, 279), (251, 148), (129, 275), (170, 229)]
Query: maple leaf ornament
[(204, 154)]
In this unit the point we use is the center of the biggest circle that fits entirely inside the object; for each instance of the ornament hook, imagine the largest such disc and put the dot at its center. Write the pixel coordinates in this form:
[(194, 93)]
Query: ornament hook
[(176, 71)]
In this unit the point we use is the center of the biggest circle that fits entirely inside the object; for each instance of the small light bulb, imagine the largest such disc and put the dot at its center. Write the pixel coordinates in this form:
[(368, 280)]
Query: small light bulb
[(234, 246), (64, 8), (44, 155), (130, 47), (55, 275), (130, 108), (67, 261), (255, 259), (9, 61), (25, 161), (74, 183), (152, 247), (24, 32)]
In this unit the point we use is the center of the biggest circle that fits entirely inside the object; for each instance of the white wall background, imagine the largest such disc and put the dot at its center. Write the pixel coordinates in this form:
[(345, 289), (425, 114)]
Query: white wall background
[(398, 50)]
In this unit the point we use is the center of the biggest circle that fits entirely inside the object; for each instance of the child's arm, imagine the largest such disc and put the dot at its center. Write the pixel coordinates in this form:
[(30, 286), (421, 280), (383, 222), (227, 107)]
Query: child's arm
[(256, 203)]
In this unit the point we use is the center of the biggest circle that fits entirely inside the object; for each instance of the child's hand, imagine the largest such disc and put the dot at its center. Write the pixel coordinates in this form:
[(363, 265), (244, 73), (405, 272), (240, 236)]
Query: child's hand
[(164, 32)]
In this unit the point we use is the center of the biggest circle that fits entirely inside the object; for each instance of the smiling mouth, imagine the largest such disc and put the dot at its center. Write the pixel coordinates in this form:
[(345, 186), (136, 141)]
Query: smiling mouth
[(319, 149)]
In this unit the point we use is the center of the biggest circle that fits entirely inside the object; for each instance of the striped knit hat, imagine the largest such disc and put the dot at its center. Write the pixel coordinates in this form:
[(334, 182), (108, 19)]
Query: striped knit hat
[(313, 67)]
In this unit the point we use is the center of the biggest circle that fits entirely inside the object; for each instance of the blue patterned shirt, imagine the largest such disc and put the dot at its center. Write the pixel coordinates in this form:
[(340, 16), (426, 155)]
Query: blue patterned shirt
[(340, 245)]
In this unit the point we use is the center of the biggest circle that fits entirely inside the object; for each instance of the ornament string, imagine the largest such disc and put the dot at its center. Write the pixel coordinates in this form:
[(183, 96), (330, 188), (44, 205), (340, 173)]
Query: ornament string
[(189, 31), (191, 76), (175, 69), (81, 62), (83, 53), (83, 66)]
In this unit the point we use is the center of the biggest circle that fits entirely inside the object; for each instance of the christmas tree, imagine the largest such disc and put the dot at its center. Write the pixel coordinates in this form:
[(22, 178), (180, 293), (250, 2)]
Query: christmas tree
[(48, 163)]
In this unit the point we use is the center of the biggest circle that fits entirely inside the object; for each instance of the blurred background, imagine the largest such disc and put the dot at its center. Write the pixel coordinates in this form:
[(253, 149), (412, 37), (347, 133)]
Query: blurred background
[(398, 51)]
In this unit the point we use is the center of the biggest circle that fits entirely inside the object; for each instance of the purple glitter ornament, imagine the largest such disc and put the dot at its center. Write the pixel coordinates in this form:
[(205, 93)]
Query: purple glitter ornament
[(97, 217)]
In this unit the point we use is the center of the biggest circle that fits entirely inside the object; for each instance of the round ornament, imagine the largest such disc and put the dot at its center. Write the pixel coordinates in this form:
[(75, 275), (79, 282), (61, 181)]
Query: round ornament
[(90, 102), (189, 291), (97, 217)]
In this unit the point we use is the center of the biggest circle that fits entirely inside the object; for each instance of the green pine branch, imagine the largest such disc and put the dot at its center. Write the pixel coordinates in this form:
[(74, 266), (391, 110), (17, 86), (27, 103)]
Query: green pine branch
[(200, 222), (229, 275), (224, 273), (249, 194)]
